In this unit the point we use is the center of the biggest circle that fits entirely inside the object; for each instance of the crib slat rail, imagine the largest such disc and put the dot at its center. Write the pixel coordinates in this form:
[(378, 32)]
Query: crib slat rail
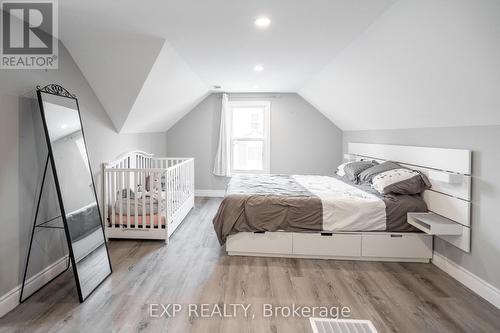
[(146, 197)]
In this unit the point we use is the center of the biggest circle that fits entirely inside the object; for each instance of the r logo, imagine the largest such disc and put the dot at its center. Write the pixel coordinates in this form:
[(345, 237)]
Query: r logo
[(27, 27)]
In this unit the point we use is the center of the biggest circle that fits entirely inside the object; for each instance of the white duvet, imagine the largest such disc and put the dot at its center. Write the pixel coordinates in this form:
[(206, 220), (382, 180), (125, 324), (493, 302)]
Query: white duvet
[(345, 207)]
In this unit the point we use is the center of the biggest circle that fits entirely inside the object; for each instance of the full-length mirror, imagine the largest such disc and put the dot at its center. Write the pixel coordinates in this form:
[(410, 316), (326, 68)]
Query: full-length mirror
[(75, 187)]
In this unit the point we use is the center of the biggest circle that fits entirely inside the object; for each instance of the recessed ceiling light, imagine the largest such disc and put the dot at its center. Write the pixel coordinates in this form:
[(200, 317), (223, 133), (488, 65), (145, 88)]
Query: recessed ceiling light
[(63, 126), (256, 86), (262, 22), (258, 68)]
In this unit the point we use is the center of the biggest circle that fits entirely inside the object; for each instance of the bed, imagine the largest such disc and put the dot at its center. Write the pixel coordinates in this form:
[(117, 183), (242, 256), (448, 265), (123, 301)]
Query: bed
[(259, 203), (330, 217), (146, 197)]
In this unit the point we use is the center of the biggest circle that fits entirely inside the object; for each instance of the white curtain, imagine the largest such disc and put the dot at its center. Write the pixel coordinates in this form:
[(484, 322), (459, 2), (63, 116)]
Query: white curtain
[(222, 158)]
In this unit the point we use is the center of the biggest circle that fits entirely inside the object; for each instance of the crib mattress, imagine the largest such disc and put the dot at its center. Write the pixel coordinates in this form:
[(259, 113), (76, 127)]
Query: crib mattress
[(145, 221)]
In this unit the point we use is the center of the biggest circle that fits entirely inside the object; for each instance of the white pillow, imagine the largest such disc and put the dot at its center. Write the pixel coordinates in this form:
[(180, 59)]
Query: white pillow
[(399, 181), (340, 169)]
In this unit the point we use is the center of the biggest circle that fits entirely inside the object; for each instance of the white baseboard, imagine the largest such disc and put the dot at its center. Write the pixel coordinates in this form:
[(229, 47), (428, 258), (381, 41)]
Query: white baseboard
[(210, 193), (468, 279), (11, 299)]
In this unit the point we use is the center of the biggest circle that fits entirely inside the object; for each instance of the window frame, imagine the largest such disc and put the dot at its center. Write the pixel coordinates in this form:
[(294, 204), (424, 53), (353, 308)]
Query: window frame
[(266, 163)]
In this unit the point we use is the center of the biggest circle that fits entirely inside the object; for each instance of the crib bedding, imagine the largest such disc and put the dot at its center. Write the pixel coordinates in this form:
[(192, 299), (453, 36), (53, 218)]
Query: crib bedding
[(310, 203), (141, 221), (144, 211), (143, 208), (83, 221)]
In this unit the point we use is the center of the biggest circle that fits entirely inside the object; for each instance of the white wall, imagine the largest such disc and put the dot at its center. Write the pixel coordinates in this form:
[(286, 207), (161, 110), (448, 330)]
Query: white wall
[(23, 151), (432, 66), (423, 63), (303, 141), (485, 232)]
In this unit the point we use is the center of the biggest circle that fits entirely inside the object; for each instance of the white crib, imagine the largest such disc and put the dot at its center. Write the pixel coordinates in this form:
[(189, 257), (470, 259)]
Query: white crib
[(146, 197)]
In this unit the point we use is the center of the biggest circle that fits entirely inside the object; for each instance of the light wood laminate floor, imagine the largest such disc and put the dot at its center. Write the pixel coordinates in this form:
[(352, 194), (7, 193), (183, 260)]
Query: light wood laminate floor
[(193, 268)]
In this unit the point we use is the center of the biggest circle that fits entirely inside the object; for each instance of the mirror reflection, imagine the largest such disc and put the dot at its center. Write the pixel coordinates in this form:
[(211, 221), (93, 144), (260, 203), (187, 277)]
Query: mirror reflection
[(77, 191)]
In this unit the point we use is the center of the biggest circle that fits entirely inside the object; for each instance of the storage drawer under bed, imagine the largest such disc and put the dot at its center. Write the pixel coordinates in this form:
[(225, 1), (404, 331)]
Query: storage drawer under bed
[(268, 242), (327, 244), (371, 246), (397, 245)]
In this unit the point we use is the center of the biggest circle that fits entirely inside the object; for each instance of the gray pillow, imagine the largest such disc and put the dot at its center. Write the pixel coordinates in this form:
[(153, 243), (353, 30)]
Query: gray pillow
[(353, 169), (367, 175)]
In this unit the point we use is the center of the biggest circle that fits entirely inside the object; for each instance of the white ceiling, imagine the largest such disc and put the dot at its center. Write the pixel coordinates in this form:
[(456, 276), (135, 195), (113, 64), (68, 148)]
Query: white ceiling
[(115, 64), (170, 90), (365, 64), (421, 64), (215, 42), (218, 39)]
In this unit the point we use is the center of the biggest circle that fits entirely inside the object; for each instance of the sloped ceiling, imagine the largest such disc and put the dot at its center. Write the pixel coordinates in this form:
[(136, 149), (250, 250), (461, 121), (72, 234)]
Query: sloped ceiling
[(116, 65), (421, 64), (140, 80), (366, 64), (145, 85), (170, 90)]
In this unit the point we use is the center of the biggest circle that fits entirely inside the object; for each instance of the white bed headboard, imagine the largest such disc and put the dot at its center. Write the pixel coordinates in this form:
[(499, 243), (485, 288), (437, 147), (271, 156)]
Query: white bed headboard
[(449, 171)]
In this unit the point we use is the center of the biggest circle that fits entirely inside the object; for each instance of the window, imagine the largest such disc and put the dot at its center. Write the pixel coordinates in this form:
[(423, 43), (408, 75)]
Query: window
[(249, 136)]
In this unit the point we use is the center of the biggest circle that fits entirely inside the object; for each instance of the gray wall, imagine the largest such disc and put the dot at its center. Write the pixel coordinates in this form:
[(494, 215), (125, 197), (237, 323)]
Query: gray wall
[(484, 142), (303, 141), (23, 150)]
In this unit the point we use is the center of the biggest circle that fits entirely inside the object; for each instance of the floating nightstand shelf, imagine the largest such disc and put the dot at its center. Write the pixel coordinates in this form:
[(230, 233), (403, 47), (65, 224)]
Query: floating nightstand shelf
[(434, 224)]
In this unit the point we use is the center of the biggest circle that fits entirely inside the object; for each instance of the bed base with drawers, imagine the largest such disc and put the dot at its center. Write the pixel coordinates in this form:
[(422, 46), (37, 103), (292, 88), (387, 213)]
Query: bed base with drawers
[(448, 201), (379, 246)]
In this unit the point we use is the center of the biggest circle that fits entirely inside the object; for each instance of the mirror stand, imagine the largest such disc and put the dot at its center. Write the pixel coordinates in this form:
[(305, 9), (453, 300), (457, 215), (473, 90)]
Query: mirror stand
[(45, 225), (76, 193)]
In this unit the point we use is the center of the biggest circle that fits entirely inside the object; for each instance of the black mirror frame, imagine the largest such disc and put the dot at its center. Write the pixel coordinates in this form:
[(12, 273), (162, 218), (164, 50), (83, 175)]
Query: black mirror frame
[(57, 90)]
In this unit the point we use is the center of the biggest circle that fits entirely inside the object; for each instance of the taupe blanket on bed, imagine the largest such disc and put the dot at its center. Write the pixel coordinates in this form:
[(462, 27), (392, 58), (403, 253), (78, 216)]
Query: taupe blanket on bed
[(310, 203), (267, 203)]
